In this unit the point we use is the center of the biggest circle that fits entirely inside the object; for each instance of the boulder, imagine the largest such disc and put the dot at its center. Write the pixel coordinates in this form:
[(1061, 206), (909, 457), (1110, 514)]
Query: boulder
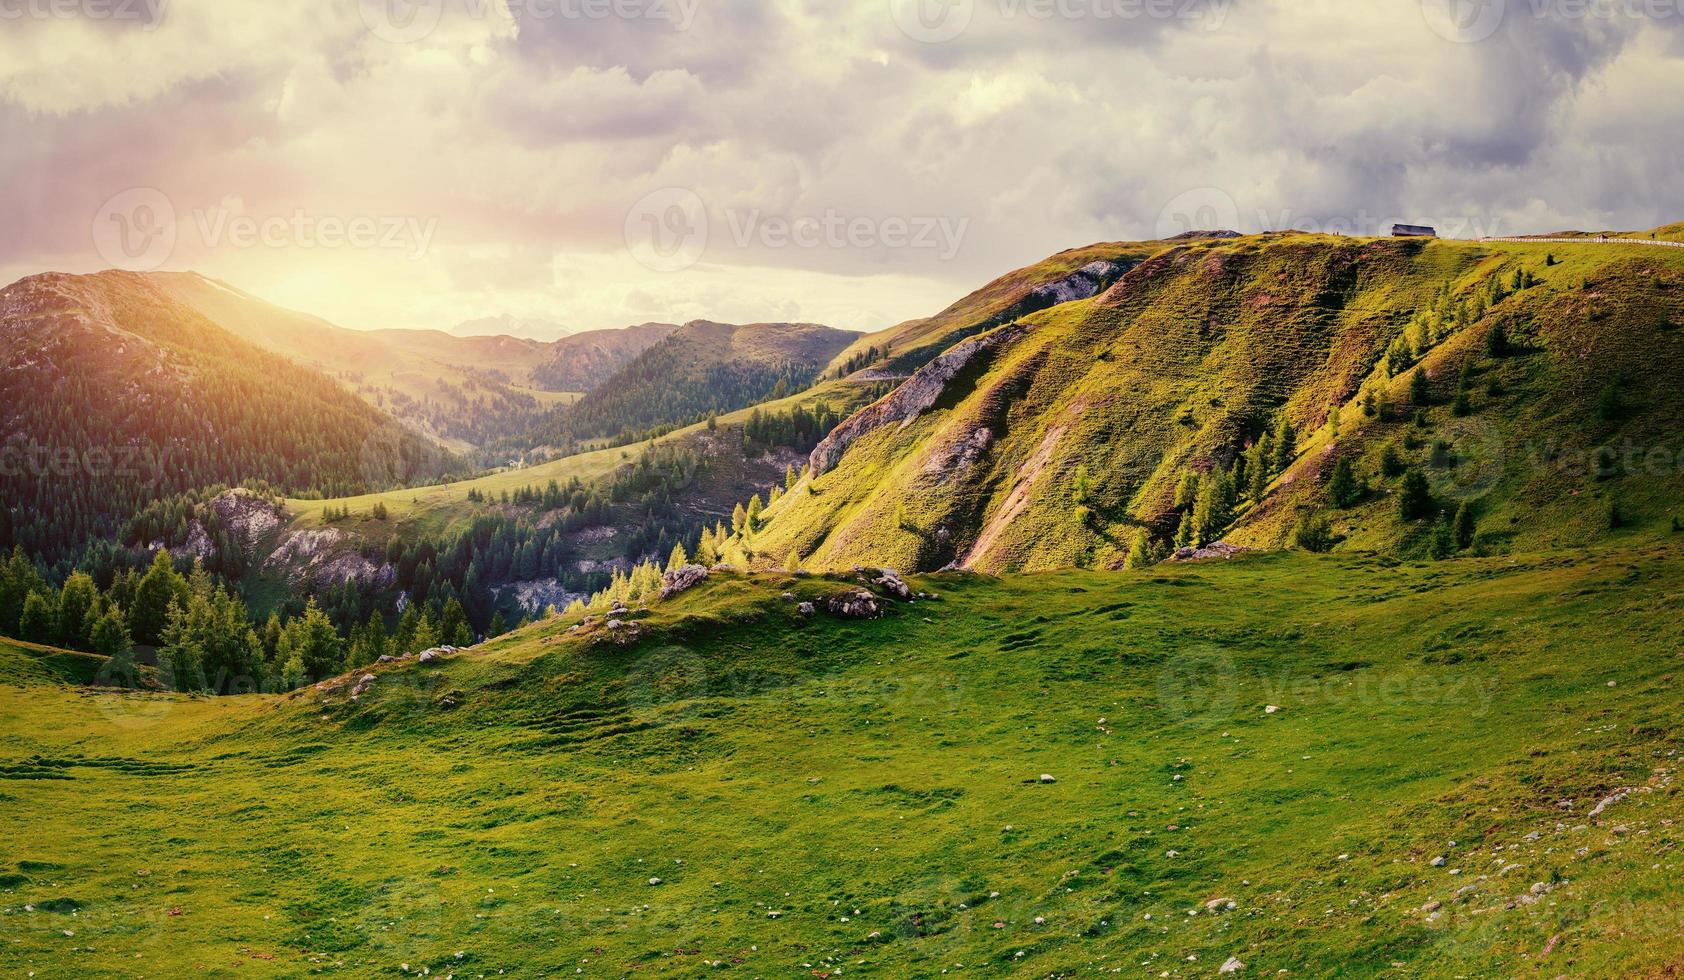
[(682, 580), (858, 604), (806, 609), (890, 581), (1233, 965), (436, 653)]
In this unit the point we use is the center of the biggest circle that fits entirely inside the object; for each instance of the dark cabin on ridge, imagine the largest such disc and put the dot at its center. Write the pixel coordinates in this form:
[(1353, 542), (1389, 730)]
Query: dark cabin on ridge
[(1414, 231)]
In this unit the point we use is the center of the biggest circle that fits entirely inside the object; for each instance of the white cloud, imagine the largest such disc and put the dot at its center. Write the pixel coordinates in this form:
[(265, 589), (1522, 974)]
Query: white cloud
[(530, 138)]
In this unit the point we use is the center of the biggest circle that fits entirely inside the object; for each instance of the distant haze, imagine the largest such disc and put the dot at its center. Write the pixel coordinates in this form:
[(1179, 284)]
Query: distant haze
[(512, 326)]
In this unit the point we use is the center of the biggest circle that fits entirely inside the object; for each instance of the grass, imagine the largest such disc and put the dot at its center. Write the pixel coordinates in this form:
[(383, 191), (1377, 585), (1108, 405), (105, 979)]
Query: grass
[(1200, 348), (875, 784), (433, 509)]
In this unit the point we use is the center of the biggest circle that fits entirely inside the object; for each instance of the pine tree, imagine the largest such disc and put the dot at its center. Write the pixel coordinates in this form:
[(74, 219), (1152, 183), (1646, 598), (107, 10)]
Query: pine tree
[(1391, 462), (315, 643), (158, 589), (1415, 500), (498, 626), (1286, 446), (678, 559), (1313, 533), (1143, 553), (1497, 339), (1214, 510), (1187, 491), (1342, 489), (1466, 525), (1418, 393), (753, 515), (739, 519), (1443, 544), (1184, 535), (791, 477), (453, 625)]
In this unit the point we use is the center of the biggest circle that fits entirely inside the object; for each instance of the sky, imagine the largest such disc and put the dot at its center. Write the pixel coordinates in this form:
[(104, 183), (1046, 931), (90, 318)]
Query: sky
[(597, 163)]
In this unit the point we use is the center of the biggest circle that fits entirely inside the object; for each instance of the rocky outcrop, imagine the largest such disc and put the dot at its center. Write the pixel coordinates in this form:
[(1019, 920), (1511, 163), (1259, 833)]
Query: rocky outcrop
[(856, 604), (328, 557), (536, 595), (245, 517), (682, 580), (1216, 549), (920, 392), (918, 395), (1084, 283)]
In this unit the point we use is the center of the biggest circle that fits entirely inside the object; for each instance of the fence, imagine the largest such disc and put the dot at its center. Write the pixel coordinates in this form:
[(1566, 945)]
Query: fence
[(1589, 241)]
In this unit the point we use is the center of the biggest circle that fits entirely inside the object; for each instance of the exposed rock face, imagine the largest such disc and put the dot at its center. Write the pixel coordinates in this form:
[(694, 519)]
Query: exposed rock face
[(682, 579), (912, 399), (535, 595), (246, 517), (919, 393), (1084, 283), (328, 556)]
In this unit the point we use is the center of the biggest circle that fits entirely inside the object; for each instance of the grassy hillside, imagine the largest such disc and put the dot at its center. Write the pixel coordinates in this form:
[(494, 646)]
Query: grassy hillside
[(1195, 353), (31, 664), (702, 368), (742, 787)]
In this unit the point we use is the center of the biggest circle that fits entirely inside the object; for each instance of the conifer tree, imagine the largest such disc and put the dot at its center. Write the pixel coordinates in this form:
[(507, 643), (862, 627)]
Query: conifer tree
[(1466, 525), (1418, 393), (1342, 489), (1415, 500), (1286, 446)]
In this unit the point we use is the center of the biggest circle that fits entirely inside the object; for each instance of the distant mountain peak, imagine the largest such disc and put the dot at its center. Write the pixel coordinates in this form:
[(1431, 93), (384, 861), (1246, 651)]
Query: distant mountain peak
[(509, 325)]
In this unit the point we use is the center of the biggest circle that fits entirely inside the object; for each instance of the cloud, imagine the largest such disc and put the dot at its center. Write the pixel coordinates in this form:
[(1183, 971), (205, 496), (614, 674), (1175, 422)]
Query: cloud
[(527, 130)]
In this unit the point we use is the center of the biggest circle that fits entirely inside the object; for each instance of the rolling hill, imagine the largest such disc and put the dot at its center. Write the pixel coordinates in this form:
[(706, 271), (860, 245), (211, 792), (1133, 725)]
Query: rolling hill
[(1057, 437), (699, 369), (116, 394), (466, 391)]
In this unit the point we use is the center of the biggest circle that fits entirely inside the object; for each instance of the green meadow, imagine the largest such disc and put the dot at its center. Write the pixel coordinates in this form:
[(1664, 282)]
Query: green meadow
[(1312, 766)]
